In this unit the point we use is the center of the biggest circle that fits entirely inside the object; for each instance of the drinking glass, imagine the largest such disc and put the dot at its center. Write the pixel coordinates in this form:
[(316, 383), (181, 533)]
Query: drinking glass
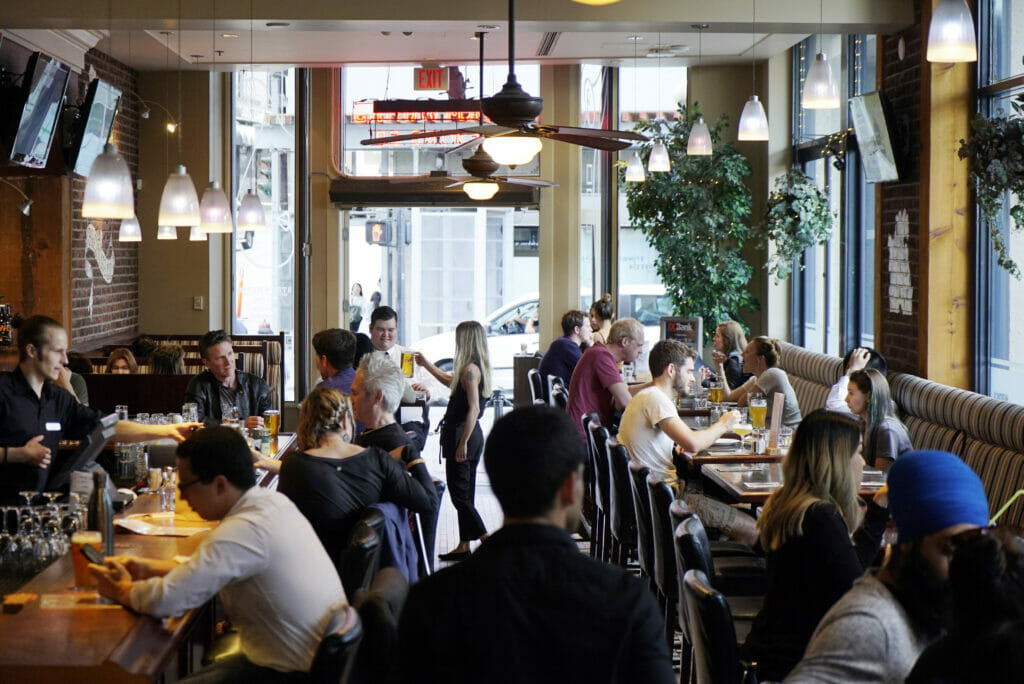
[(272, 421), (758, 409), (716, 392), (83, 578), (190, 412)]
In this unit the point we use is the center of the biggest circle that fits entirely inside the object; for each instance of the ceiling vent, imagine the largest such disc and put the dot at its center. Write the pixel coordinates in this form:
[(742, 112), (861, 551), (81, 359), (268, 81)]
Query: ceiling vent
[(547, 44)]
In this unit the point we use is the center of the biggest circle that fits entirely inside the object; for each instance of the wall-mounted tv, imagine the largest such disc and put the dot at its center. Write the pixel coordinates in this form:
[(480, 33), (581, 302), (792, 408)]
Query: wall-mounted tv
[(43, 87), (871, 122), (91, 128)]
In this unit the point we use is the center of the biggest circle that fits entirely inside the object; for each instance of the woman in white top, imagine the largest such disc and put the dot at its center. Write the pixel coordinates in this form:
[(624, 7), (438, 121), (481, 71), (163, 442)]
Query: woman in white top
[(760, 357)]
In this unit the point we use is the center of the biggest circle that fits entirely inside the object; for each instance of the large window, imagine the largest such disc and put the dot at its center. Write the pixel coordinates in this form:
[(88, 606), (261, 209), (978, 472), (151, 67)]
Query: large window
[(263, 160), (1000, 297)]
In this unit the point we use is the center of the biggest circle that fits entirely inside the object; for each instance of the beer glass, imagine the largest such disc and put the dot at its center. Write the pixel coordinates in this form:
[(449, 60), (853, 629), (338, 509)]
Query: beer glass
[(716, 392), (407, 366), (272, 421), (83, 579), (757, 408)]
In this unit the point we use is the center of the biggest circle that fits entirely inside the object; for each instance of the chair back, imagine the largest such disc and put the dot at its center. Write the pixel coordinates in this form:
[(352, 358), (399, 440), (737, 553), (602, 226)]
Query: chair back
[(558, 393), (336, 654), (715, 654), (694, 549), (599, 445), (642, 510), (379, 608), (537, 393), (622, 513), (679, 511), (661, 496), (357, 562)]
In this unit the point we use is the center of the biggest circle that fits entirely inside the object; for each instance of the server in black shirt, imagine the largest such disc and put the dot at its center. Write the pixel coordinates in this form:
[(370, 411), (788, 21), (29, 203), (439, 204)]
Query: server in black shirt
[(37, 410)]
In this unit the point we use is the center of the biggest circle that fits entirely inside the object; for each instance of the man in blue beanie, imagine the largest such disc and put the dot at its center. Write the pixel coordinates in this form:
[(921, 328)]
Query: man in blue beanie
[(876, 631)]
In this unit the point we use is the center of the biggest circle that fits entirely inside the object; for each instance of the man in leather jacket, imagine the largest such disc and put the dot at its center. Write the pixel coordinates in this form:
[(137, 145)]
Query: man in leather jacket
[(221, 388)]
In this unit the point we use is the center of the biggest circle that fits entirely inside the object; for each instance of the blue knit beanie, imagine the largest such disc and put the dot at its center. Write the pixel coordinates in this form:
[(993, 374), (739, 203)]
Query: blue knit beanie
[(932, 490)]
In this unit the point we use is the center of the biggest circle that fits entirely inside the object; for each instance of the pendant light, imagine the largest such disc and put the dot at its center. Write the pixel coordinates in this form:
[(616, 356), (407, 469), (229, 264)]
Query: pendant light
[(513, 149), (699, 142), (251, 216), (214, 211), (108, 189), (130, 230), (196, 235), (659, 161), (480, 190), (753, 122), (167, 233), (951, 33), (635, 167), (820, 91), (179, 203)]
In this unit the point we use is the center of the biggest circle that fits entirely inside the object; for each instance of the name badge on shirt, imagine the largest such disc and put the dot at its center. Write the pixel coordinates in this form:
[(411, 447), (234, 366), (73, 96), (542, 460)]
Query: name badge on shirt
[(53, 427)]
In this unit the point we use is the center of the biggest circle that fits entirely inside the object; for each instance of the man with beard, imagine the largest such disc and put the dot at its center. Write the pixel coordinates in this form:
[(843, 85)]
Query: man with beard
[(878, 629), (651, 426)]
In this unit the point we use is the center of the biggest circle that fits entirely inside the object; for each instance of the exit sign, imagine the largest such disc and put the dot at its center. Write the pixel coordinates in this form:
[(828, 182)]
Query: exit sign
[(430, 78)]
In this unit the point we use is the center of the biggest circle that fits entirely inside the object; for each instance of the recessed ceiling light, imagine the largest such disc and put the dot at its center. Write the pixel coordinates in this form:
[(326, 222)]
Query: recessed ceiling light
[(229, 35), (278, 24)]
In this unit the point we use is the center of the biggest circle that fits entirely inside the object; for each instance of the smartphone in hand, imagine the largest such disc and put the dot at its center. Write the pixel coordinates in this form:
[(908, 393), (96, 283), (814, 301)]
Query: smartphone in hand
[(92, 554)]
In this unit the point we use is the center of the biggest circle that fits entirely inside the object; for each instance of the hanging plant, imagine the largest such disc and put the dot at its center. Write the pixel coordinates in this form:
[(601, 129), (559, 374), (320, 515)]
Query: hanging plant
[(996, 151), (798, 217), (694, 216)]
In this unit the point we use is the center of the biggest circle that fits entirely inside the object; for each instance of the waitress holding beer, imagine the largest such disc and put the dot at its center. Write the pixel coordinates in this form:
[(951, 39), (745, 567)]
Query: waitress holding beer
[(761, 357)]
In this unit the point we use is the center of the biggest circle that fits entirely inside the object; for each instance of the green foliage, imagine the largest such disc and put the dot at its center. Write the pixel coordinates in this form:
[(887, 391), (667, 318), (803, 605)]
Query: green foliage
[(996, 151), (694, 217), (798, 217)]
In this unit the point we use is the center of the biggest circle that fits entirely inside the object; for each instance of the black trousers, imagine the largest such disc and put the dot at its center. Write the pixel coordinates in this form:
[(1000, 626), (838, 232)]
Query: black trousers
[(461, 478)]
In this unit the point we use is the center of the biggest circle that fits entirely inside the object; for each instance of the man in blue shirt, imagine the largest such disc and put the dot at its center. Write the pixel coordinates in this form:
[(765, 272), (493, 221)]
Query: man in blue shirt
[(335, 349), (564, 353)]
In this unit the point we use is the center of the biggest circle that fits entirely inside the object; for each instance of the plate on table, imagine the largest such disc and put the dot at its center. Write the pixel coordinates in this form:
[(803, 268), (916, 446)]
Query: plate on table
[(725, 444)]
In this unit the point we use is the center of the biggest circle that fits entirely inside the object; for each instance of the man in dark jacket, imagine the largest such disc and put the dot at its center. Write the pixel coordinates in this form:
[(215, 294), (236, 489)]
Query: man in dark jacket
[(221, 390), (527, 606)]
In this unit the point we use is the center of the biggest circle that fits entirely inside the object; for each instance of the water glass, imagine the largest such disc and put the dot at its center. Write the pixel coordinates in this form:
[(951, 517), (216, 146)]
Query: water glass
[(190, 412), (122, 411)]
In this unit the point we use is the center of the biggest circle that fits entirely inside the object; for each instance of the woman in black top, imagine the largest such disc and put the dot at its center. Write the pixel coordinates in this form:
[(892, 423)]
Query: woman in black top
[(462, 441), (332, 481), (806, 529), (728, 354)]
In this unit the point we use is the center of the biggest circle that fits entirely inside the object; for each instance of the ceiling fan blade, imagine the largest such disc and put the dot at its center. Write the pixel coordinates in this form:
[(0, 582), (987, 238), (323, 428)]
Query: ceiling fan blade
[(607, 144), (546, 129), (457, 183), (531, 182), (421, 135)]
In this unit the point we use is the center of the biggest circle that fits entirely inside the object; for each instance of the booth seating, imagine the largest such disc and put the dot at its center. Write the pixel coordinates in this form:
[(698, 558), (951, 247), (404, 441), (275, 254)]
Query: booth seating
[(987, 433)]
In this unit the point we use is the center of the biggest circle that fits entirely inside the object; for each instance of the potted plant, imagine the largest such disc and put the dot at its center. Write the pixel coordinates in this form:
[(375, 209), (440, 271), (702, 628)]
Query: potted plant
[(694, 216), (996, 151), (798, 217)]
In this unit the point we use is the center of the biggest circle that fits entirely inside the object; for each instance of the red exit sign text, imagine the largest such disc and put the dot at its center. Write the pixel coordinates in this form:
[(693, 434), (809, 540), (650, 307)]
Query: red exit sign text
[(430, 78)]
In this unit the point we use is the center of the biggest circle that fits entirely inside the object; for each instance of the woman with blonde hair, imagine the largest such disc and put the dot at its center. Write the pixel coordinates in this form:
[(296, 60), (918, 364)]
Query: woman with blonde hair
[(122, 362), (462, 441), (760, 358), (806, 528), (332, 481), (729, 343), (885, 436), (602, 313)]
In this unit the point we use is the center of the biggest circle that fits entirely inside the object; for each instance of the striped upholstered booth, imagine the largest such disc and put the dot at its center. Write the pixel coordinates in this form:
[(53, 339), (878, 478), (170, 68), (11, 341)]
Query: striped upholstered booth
[(988, 434)]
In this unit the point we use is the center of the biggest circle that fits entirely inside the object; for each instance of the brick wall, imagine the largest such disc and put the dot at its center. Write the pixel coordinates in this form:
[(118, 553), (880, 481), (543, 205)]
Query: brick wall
[(901, 83), (101, 309)]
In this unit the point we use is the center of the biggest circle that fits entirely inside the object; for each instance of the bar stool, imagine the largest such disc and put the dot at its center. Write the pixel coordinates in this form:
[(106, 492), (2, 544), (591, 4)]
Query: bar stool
[(642, 510), (661, 496), (537, 394), (716, 656), (599, 444), (621, 511)]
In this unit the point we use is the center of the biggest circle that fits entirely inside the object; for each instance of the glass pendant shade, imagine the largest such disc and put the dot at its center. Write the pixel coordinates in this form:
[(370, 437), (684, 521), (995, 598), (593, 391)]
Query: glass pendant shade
[(130, 230), (108, 190), (214, 211), (179, 203), (167, 233), (659, 161), (820, 90), (595, 2), (699, 143), (250, 214), (951, 33), (753, 122), (635, 169), (480, 190), (512, 150), (196, 235)]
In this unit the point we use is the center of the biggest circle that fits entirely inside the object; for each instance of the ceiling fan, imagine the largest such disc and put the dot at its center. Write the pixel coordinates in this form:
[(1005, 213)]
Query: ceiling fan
[(481, 184), (514, 136)]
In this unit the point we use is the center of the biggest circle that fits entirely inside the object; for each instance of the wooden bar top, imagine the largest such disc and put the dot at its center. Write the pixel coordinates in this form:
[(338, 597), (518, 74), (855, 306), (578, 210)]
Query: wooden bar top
[(754, 482)]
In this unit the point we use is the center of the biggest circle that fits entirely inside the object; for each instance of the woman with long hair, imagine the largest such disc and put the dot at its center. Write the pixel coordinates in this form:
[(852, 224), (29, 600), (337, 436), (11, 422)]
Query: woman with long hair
[(761, 358), (332, 480), (806, 528), (462, 441), (729, 343), (602, 313), (122, 362), (885, 435)]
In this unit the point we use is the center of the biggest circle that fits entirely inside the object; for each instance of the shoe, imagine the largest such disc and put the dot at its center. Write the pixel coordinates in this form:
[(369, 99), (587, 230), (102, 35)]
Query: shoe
[(454, 556)]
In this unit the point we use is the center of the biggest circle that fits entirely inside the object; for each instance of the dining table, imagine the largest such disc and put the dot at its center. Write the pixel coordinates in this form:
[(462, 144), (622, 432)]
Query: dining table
[(753, 483)]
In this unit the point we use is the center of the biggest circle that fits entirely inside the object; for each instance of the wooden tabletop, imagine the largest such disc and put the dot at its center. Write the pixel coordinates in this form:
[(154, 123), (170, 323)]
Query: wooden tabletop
[(734, 455), (754, 482)]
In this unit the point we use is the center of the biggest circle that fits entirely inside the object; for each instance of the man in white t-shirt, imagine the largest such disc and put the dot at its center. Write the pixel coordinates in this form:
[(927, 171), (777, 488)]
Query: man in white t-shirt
[(651, 425)]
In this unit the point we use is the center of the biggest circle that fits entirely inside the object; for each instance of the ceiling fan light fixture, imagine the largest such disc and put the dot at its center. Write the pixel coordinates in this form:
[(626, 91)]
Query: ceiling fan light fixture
[(167, 233), (951, 33), (512, 150), (699, 143), (753, 122), (108, 190), (659, 161), (595, 3), (214, 211), (250, 214), (480, 190), (130, 230), (820, 91), (635, 169), (179, 203), (196, 235)]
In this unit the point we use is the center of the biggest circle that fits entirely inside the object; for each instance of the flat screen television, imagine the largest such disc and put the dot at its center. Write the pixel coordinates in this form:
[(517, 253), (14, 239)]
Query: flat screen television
[(871, 123), (43, 87), (91, 128)]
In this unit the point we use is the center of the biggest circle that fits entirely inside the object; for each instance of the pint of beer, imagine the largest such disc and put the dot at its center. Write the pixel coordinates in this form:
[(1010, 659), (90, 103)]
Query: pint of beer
[(272, 421), (83, 579), (407, 364)]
